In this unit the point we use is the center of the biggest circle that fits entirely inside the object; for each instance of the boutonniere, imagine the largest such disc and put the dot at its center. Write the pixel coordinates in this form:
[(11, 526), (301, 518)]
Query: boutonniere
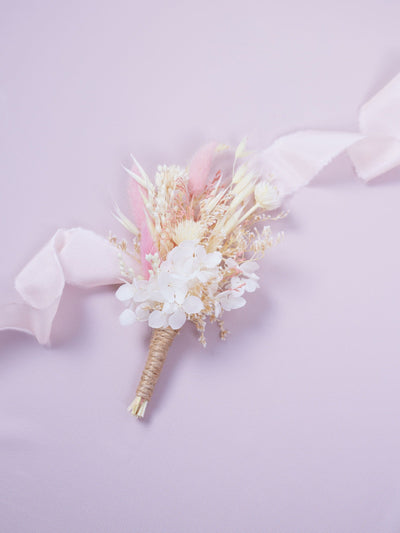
[(195, 234)]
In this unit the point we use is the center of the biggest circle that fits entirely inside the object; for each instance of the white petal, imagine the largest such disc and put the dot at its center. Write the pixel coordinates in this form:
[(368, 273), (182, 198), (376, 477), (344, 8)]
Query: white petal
[(140, 294), (156, 296), (236, 282), (225, 300), (236, 303), (169, 308), (200, 253), (163, 277), (142, 312), (183, 252), (189, 246), (238, 286), (192, 305), (251, 285), (127, 317), (186, 267), (165, 282), (249, 267), (142, 283), (157, 319), (204, 275), (213, 259), (226, 304), (124, 292), (177, 319), (231, 263), (180, 293)]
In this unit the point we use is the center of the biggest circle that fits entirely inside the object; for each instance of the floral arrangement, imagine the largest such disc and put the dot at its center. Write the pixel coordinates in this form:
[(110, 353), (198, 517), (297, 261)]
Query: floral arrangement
[(198, 233)]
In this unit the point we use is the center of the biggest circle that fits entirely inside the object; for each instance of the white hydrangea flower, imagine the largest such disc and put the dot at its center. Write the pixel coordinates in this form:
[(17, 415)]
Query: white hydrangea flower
[(169, 297), (247, 270), (190, 261), (228, 300), (127, 317), (186, 266), (174, 314), (246, 280)]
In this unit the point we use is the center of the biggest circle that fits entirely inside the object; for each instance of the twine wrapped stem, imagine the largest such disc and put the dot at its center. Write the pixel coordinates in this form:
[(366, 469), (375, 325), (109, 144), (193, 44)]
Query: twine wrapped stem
[(160, 343)]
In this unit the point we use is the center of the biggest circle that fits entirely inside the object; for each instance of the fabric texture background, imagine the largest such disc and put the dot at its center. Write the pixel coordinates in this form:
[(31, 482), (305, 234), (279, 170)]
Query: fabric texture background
[(292, 423)]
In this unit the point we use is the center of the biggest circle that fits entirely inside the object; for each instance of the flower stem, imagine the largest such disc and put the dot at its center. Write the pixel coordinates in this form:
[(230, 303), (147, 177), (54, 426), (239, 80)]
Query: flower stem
[(248, 213), (160, 343)]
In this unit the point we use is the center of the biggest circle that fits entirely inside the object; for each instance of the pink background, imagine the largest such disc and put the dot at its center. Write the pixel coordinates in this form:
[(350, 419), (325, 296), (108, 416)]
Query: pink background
[(293, 424)]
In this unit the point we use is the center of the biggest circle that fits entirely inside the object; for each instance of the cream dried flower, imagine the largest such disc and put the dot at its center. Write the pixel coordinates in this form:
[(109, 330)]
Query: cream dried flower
[(188, 230), (267, 196)]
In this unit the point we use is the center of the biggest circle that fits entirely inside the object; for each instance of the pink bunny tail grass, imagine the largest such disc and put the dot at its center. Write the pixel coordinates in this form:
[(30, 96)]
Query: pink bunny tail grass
[(200, 166), (146, 247), (135, 192)]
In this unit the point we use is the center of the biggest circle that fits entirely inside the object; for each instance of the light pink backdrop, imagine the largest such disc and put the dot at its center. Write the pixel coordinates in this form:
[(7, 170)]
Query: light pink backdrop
[(293, 424)]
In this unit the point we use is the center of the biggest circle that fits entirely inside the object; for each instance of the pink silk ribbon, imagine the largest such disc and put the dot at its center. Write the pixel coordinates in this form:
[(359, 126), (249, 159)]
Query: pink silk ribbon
[(82, 258), (77, 257), (295, 159)]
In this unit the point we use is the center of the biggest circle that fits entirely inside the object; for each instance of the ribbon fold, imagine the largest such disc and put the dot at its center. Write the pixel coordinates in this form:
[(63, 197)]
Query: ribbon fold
[(77, 257)]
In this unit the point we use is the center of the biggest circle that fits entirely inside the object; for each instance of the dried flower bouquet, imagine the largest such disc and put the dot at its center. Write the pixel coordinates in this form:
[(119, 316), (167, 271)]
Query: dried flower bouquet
[(196, 232)]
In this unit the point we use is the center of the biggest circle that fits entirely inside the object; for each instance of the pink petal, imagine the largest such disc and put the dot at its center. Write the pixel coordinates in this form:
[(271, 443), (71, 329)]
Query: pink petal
[(200, 166), (136, 200)]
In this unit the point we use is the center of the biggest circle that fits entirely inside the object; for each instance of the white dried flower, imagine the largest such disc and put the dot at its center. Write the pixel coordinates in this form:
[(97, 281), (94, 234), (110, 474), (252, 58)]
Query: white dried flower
[(267, 196), (188, 230), (169, 293)]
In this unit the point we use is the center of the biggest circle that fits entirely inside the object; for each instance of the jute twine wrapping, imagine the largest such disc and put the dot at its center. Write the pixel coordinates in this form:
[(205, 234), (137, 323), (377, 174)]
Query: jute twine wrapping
[(160, 343)]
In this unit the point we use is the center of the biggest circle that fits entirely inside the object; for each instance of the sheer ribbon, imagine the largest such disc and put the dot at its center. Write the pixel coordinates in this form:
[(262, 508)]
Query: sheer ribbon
[(75, 256)]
